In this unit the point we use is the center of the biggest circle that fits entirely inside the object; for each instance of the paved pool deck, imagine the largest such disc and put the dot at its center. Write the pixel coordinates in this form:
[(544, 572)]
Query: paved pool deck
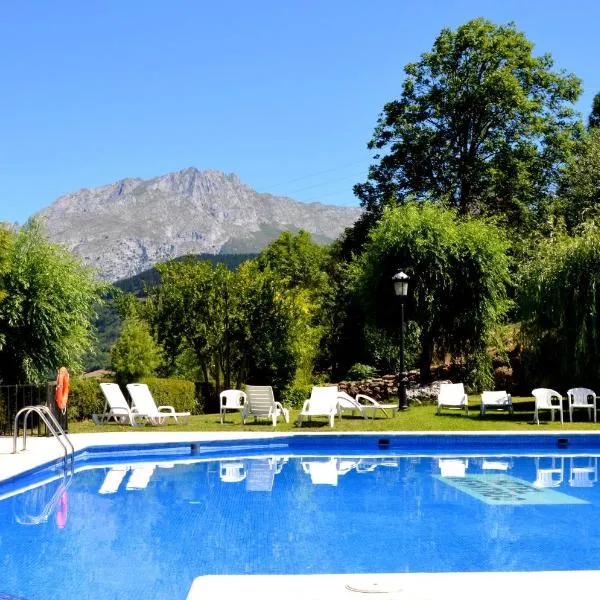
[(549, 585)]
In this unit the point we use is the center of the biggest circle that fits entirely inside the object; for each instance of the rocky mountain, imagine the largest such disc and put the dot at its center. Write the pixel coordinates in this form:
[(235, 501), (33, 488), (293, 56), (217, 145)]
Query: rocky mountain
[(127, 227)]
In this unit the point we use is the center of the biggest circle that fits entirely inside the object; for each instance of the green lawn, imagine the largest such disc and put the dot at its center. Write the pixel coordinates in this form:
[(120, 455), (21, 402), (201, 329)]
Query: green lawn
[(416, 418)]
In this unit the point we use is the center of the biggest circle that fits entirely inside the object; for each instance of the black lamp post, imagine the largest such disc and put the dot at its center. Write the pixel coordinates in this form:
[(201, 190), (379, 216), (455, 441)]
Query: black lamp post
[(401, 290)]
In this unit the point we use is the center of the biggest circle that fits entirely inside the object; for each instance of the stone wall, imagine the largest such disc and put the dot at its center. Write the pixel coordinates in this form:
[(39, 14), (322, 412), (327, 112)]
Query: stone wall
[(385, 388)]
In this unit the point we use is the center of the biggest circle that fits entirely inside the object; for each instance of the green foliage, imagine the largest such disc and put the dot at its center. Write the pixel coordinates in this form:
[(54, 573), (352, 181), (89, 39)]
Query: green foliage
[(594, 118), (296, 259), (240, 326), (85, 398), (359, 371), (294, 395), (177, 393), (135, 354), (140, 283), (457, 291), (560, 309), (45, 318), (580, 189), (481, 125)]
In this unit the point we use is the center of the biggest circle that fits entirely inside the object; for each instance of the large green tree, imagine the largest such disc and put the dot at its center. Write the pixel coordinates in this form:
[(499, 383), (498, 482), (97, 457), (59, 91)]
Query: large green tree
[(482, 125), (46, 315), (459, 270), (239, 326)]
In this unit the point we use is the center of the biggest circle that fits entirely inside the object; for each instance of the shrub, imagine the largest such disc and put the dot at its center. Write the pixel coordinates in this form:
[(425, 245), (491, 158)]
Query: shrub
[(179, 393), (359, 371), (294, 396), (85, 398)]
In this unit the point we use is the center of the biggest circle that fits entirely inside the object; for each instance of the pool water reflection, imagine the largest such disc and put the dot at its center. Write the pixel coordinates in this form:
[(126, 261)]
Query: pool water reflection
[(132, 527)]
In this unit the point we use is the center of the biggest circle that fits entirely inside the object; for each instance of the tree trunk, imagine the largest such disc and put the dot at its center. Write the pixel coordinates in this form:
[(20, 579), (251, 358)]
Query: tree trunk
[(425, 358)]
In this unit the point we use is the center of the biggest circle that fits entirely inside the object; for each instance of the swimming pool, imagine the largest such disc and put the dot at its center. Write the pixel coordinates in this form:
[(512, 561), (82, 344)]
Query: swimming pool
[(148, 520)]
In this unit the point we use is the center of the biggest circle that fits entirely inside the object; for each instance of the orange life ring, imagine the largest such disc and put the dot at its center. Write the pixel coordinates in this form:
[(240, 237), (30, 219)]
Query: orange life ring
[(62, 389)]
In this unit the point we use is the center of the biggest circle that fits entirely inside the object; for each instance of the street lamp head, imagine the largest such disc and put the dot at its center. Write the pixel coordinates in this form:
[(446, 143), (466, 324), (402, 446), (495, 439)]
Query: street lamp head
[(401, 284)]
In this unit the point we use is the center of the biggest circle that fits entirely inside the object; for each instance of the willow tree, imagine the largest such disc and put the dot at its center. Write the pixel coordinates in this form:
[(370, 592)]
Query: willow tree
[(459, 270), (560, 308), (46, 315), (481, 125)]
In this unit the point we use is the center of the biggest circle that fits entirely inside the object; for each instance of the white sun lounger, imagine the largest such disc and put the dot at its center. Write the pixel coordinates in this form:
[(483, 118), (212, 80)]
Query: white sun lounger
[(323, 402), (143, 403), (116, 407), (113, 479), (260, 403)]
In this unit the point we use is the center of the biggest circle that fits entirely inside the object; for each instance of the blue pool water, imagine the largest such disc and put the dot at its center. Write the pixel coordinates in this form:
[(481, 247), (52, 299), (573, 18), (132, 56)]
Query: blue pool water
[(134, 524)]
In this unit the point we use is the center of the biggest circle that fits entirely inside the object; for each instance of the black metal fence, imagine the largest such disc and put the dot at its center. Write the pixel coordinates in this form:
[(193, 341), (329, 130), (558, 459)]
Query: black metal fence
[(14, 397)]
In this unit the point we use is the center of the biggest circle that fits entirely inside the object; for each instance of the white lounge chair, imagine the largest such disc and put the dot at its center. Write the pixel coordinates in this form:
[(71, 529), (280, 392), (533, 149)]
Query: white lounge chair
[(498, 400), (261, 473), (140, 476), (117, 408), (453, 467), (364, 404), (452, 395), (323, 402), (260, 403), (143, 402), (547, 399), (113, 479), (326, 470), (582, 398), (231, 400)]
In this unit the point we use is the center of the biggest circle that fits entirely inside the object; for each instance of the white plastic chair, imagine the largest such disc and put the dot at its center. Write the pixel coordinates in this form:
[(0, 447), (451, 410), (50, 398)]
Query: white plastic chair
[(582, 398), (498, 400), (231, 400), (547, 399), (116, 407), (583, 471), (260, 403), (232, 471), (550, 472), (323, 402), (452, 395), (143, 402)]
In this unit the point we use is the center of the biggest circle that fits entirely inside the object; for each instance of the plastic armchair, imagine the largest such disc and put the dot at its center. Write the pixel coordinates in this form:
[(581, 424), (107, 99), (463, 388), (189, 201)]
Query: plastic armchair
[(582, 398), (547, 399), (231, 400)]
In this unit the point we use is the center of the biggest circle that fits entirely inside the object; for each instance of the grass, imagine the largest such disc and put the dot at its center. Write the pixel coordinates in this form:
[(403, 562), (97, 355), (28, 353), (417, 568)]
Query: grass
[(416, 418)]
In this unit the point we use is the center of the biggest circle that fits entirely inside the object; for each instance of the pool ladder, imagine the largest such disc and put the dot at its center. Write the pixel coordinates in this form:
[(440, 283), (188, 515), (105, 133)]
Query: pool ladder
[(53, 427)]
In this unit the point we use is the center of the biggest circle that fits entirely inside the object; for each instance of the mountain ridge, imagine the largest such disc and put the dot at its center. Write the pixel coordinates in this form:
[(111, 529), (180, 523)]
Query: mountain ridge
[(126, 227)]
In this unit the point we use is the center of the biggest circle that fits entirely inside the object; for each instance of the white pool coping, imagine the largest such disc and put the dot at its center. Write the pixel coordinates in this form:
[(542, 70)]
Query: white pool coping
[(549, 585)]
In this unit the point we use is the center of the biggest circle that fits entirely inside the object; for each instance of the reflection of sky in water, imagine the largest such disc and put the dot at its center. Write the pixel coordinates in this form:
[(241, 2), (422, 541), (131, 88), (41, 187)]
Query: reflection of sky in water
[(148, 528)]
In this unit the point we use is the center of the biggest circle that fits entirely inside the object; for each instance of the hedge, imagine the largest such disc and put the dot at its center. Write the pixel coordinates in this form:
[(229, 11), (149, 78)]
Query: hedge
[(86, 399)]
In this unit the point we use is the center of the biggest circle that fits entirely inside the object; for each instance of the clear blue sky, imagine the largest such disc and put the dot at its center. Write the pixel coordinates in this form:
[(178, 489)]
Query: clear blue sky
[(285, 94)]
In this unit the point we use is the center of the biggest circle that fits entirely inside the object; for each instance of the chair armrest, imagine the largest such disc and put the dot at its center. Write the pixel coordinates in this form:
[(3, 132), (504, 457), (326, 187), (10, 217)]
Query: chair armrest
[(166, 408), (466, 399), (367, 398), (305, 405)]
